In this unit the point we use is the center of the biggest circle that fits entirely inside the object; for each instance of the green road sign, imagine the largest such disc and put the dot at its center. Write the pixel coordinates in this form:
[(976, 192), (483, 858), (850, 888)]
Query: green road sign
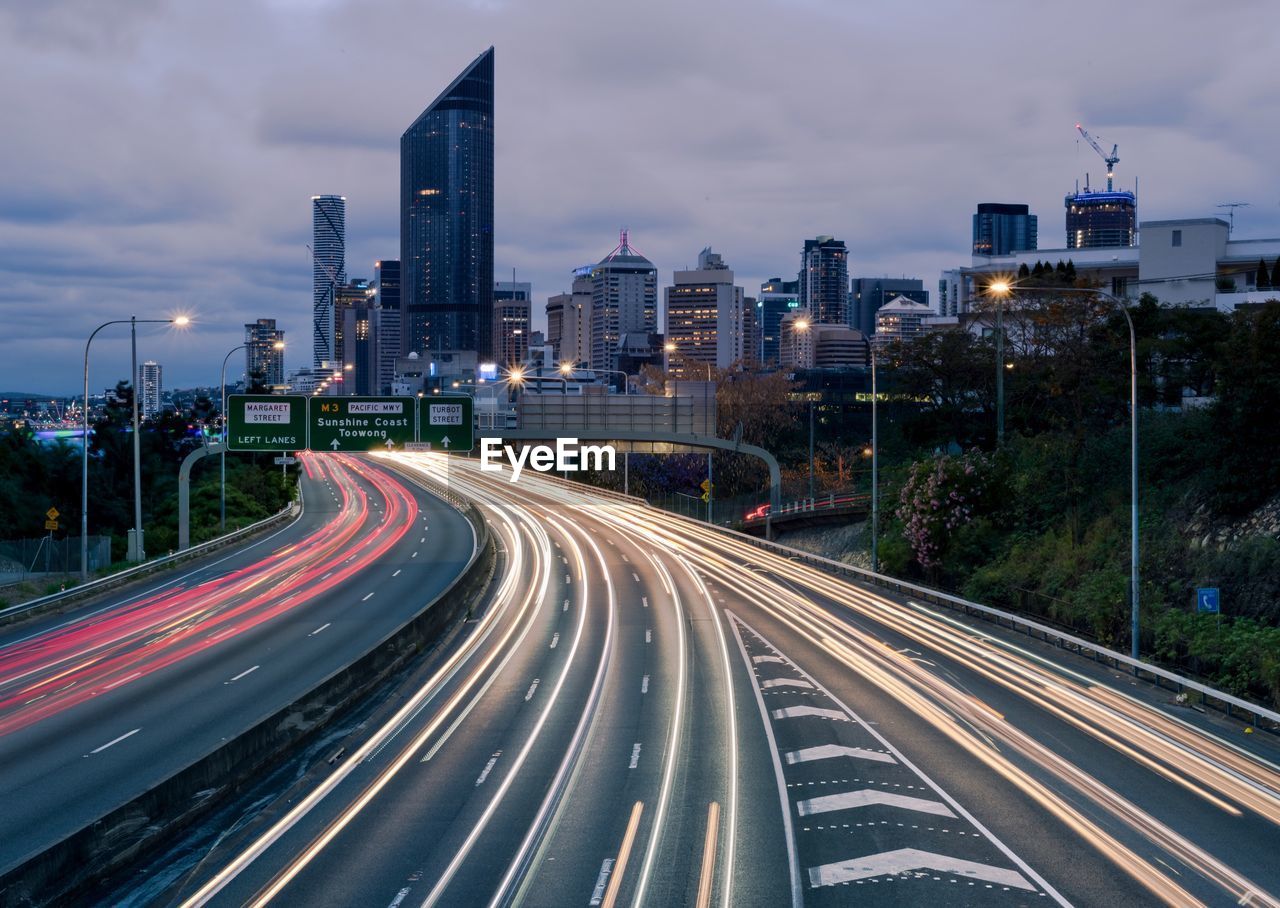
[(445, 423), (266, 422), (361, 423)]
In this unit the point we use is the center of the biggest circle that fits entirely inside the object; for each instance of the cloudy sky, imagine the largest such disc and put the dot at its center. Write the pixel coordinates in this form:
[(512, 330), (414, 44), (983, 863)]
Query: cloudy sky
[(158, 156)]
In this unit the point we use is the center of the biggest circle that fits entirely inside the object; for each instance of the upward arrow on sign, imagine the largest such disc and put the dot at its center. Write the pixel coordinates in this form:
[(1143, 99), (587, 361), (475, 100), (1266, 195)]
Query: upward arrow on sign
[(445, 441), (390, 444), (335, 444)]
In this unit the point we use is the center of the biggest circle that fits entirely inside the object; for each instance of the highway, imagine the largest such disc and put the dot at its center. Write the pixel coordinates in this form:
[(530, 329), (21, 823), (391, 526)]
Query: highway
[(652, 712), (101, 703)]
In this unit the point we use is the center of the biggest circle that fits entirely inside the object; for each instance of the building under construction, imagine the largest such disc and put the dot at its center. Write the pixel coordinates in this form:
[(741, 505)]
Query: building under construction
[(1096, 219)]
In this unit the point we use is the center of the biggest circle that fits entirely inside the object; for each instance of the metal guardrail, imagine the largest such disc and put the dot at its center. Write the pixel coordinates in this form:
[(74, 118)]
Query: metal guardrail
[(1258, 716), (111, 580)]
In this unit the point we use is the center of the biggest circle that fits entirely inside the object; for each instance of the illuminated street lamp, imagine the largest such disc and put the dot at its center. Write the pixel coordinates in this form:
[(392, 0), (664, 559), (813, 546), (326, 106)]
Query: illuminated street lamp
[(133, 321), (1001, 290)]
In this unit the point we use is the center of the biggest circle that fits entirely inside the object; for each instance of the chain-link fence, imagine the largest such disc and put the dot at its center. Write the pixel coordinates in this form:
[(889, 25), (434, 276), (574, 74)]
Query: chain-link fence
[(23, 558)]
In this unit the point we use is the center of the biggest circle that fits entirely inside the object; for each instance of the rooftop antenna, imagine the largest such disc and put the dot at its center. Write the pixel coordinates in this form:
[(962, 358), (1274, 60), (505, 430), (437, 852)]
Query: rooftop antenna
[(1231, 213)]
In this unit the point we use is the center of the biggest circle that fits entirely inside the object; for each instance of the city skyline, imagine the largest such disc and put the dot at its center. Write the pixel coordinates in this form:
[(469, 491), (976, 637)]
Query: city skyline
[(204, 210)]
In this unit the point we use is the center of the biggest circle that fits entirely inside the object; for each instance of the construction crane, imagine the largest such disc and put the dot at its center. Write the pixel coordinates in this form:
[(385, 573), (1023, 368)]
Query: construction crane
[(1112, 159)]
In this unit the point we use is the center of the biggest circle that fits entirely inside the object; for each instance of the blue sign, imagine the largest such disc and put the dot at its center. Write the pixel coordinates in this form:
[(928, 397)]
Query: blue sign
[(1207, 601)]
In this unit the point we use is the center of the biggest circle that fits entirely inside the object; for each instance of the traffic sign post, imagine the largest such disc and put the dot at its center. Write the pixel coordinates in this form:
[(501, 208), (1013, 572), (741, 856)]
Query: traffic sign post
[(360, 424), (1208, 602), (446, 422), (266, 422)]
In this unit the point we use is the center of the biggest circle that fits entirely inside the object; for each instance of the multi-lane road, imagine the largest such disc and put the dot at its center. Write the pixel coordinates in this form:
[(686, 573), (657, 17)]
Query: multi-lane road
[(101, 703), (651, 712)]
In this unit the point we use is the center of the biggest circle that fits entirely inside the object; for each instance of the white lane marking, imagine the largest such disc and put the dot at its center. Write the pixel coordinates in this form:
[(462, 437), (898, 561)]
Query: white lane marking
[(597, 894), (400, 896), (247, 671), (792, 712), (644, 600), (327, 576), (555, 638), (532, 687), (564, 559), (903, 860), (397, 573), (644, 685), (221, 633), (125, 680), (367, 598), (828, 751), (847, 800), (626, 559), (414, 555), (488, 768), (648, 636), (635, 576), (759, 659), (568, 579), (423, 539), (319, 629), (128, 734), (565, 608), (786, 682), (635, 756)]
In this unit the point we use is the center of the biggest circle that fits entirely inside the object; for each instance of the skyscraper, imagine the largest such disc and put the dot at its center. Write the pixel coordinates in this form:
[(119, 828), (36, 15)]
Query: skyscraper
[(824, 280), (569, 321), (386, 277), (149, 388), (1096, 219), (262, 360), (703, 318), (446, 218), (777, 298), (512, 302), (868, 294), (328, 270), (624, 300), (1000, 229)]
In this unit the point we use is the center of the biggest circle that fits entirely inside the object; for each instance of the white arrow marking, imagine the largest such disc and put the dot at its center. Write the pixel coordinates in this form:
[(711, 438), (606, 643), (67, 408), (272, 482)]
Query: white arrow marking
[(786, 682), (335, 444), (445, 441), (827, 751), (390, 444), (904, 860), (792, 712), (868, 797), (759, 659)]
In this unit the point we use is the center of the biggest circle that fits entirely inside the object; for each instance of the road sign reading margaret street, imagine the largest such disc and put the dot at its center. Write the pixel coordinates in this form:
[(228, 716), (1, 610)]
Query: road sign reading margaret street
[(445, 423), (266, 422), (361, 423)]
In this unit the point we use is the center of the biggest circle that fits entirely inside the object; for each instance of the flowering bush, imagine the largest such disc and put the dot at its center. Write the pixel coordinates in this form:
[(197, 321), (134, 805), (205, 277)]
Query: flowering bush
[(939, 497)]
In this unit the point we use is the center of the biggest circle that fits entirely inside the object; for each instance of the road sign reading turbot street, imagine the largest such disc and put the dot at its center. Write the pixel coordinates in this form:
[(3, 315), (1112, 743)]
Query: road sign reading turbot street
[(266, 422), (360, 424), (445, 423)]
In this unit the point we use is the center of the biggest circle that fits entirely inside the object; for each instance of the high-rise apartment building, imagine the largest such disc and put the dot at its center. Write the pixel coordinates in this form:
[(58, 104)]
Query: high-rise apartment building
[(149, 384), (777, 298), (446, 218), (824, 280), (328, 270), (868, 294), (624, 300), (1000, 229), (569, 321), (900, 319), (703, 317), (263, 360), (511, 310), (386, 280), (358, 293)]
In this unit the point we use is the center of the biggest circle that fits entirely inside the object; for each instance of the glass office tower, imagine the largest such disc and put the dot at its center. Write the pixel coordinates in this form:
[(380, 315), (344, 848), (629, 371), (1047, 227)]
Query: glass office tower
[(446, 218)]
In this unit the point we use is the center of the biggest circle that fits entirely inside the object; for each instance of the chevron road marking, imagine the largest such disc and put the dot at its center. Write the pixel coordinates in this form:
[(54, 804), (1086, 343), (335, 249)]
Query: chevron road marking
[(905, 860), (828, 751), (868, 797)]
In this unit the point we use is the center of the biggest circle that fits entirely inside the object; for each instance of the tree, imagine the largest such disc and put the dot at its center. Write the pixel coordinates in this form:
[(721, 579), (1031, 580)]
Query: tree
[(1275, 275), (1038, 270), (1263, 279), (1023, 271)]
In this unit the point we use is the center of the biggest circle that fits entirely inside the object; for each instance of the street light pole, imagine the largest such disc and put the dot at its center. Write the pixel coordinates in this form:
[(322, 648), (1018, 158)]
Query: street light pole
[(133, 322), (810, 449), (1000, 372), (222, 485), (139, 552), (875, 469)]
